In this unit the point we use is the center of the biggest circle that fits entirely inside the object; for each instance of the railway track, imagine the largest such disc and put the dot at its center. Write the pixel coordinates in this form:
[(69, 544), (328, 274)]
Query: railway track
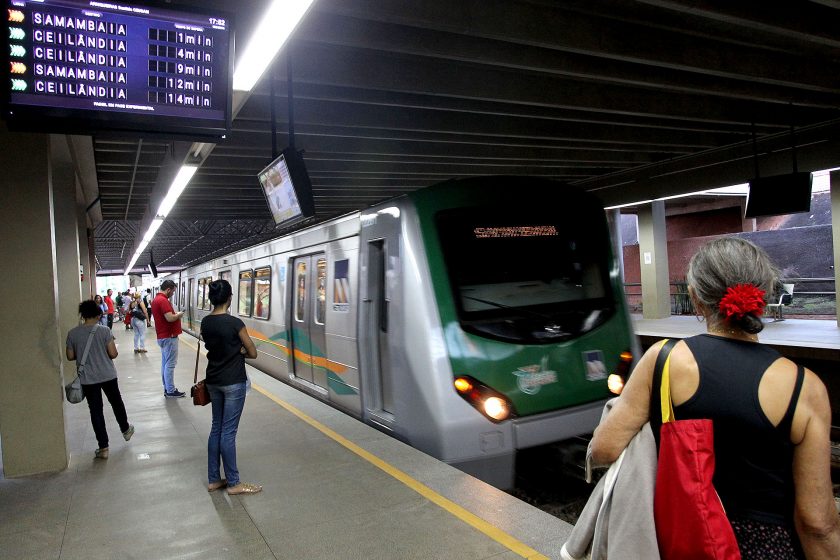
[(546, 481)]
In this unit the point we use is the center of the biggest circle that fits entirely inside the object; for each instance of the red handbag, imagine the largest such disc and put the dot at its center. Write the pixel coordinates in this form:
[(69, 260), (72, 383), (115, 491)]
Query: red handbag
[(691, 523)]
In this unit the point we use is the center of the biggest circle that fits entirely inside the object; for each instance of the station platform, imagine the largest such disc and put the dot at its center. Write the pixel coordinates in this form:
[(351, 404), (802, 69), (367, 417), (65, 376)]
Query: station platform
[(333, 487), (792, 337)]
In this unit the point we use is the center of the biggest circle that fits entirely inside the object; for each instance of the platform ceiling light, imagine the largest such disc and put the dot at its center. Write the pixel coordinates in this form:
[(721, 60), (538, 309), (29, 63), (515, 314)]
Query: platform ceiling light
[(179, 183), (275, 27), (175, 189)]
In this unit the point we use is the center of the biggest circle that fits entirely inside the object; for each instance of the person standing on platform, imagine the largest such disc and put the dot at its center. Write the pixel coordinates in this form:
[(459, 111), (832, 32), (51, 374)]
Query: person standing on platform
[(139, 321), (228, 344), (119, 302), (103, 309), (110, 303), (100, 375), (147, 299), (772, 418), (127, 299), (168, 327)]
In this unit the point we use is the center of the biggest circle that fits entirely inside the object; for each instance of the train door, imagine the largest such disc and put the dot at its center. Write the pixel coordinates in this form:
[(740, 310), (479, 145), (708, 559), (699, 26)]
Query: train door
[(308, 309), (377, 304), (380, 362), (188, 303)]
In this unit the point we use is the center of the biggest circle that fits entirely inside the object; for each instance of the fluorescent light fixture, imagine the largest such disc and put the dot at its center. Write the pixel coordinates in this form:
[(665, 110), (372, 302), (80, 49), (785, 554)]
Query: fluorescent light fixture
[(178, 185), (175, 189), (275, 27), (153, 227)]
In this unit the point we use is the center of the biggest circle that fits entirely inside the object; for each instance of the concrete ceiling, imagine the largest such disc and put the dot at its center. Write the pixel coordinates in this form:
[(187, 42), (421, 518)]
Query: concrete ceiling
[(630, 99)]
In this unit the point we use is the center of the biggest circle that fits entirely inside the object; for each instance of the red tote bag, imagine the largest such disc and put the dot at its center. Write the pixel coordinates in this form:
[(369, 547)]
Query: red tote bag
[(691, 523)]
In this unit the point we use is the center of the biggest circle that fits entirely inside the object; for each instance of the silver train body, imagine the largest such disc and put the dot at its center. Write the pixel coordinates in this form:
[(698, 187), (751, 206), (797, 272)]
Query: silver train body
[(359, 289)]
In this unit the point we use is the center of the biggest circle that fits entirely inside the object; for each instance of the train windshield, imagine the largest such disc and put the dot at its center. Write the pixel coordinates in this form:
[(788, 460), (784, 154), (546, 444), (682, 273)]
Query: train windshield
[(527, 276)]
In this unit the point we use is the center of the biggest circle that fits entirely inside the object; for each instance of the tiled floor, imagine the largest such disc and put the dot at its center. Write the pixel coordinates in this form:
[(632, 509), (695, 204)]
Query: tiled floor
[(320, 500)]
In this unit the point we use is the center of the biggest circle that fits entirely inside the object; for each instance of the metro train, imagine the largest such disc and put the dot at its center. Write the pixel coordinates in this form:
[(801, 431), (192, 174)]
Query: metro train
[(470, 319)]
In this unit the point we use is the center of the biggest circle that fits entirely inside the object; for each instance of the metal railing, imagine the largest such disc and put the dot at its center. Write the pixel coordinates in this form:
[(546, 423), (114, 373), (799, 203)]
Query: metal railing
[(811, 296)]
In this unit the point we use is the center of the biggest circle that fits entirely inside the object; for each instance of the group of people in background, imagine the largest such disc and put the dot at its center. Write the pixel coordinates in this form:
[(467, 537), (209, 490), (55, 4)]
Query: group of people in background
[(228, 344)]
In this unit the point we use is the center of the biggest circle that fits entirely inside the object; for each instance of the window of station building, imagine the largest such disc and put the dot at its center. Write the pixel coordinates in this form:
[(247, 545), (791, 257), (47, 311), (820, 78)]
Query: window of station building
[(300, 287), (321, 283), (246, 292), (262, 297)]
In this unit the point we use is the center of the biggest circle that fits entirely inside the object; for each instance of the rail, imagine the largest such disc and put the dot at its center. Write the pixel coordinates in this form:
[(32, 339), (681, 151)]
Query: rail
[(811, 297)]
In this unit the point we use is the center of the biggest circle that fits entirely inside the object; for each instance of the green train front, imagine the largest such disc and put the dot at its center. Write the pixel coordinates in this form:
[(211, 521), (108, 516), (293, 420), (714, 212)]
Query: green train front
[(531, 309)]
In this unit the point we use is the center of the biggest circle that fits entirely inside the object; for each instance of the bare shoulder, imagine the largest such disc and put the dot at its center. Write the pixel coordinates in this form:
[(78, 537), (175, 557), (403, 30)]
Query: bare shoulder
[(776, 390)]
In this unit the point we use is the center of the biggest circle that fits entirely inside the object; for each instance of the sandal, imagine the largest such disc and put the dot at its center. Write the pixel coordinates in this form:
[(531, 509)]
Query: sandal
[(244, 488), (213, 486), (102, 453)]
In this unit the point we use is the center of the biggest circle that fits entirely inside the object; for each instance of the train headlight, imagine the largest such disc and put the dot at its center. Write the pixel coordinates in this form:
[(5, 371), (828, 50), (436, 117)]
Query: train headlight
[(491, 403), (496, 408), (615, 383)]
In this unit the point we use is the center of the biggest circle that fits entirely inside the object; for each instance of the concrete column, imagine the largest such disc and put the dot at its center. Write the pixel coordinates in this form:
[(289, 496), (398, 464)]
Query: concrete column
[(66, 237), (32, 405), (614, 222), (653, 256), (835, 232), (84, 252)]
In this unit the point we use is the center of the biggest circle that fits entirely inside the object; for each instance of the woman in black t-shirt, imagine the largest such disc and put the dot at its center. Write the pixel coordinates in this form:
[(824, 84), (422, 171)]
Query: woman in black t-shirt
[(228, 344)]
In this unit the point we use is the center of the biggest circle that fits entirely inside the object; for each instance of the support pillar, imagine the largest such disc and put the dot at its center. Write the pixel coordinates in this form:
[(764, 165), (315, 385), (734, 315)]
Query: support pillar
[(32, 407), (653, 255), (835, 229), (614, 221)]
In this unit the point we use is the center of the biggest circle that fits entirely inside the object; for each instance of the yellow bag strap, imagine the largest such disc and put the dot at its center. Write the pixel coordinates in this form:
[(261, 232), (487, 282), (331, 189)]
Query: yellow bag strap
[(666, 404)]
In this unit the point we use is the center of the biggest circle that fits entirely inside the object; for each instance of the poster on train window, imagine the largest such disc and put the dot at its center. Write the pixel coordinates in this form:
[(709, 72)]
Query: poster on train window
[(341, 286)]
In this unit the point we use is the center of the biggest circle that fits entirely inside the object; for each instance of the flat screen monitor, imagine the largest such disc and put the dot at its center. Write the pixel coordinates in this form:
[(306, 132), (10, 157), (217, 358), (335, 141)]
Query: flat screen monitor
[(287, 188), (85, 66), (779, 194)]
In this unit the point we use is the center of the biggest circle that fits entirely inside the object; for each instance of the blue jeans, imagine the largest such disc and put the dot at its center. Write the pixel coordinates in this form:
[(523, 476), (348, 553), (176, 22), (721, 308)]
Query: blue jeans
[(168, 359), (139, 333), (227, 402)]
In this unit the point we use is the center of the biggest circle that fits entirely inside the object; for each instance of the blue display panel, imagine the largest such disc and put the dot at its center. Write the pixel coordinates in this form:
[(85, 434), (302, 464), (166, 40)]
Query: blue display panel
[(83, 66)]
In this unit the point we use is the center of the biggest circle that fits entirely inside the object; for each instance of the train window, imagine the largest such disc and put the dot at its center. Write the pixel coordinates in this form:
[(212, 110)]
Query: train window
[(182, 301), (526, 275), (199, 293), (262, 298), (246, 292), (321, 304), (224, 275), (203, 288), (300, 286)]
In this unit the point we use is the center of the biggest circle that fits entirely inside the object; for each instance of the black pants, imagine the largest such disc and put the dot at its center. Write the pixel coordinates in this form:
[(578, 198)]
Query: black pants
[(110, 320), (93, 394)]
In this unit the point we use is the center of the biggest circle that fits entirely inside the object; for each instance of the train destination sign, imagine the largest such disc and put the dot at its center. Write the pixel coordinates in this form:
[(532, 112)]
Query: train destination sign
[(118, 65)]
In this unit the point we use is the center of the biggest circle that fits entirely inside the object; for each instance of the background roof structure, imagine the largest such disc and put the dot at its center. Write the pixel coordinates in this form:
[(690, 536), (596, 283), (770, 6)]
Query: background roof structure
[(632, 99)]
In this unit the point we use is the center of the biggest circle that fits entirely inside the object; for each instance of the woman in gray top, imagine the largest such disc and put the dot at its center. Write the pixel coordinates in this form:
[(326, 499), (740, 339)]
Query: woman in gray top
[(99, 375)]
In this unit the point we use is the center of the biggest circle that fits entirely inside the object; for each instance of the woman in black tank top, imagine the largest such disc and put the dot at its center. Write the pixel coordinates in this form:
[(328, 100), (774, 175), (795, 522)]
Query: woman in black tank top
[(771, 418)]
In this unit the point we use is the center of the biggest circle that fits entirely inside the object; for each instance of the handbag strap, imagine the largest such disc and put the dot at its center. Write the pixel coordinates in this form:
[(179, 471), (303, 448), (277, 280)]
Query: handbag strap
[(658, 388), (197, 354), (83, 359)]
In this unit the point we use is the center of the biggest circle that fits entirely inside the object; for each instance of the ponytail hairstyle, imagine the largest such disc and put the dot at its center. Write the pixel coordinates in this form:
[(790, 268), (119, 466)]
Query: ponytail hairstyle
[(219, 292), (732, 278)]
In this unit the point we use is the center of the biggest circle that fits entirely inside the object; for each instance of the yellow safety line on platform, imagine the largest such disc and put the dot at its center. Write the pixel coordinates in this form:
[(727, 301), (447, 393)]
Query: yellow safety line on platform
[(466, 516)]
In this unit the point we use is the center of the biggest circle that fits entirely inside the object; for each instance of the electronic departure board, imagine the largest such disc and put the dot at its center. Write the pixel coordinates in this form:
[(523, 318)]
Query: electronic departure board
[(85, 66)]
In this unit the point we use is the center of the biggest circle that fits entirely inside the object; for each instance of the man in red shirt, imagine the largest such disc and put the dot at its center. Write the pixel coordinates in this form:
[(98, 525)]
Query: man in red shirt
[(168, 327), (110, 303)]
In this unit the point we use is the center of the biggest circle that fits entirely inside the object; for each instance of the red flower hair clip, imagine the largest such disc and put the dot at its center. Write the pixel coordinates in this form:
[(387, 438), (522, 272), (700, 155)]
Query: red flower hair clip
[(741, 300)]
